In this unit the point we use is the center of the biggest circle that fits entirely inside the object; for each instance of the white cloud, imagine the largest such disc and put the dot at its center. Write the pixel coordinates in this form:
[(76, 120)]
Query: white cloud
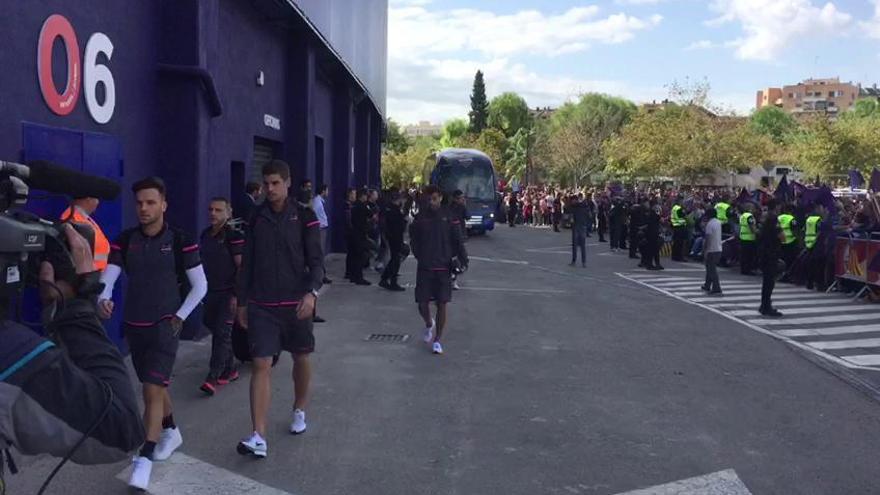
[(637, 2), (700, 45), (872, 26), (415, 29), (433, 55), (770, 27)]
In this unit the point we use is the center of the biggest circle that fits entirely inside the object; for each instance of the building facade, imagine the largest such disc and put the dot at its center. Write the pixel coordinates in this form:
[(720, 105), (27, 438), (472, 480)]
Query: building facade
[(198, 92), (812, 97), (423, 128)]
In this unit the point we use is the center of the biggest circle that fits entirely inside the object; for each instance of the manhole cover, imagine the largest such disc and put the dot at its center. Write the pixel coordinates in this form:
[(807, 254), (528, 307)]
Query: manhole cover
[(388, 338)]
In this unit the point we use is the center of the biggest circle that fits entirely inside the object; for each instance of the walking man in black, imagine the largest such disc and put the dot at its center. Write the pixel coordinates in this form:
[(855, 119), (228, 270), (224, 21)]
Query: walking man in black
[(394, 226), (157, 259), (361, 227), (221, 248), (770, 245), (580, 214), (651, 261), (281, 273), (436, 240)]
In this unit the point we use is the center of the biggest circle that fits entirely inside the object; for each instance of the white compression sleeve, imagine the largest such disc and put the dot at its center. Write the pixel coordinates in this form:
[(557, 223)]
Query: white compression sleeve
[(199, 287), (108, 278)]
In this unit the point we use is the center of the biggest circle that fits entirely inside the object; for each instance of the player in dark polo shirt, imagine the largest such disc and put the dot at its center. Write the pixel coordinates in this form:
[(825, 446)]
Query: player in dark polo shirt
[(436, 238), (221, 247), (281, 272), (155, 257)]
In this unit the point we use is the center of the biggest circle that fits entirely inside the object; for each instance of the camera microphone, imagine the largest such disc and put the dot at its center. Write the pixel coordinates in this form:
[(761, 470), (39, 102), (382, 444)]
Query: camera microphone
[(46, 176)]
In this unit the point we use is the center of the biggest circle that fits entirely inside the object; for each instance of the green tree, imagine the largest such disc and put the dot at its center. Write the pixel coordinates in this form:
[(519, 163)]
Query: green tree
[(825, 147), (517, 156), (509, 112), (395, 139), (455, 134), (493, 143), (575, 137), (405, 168), (863, 108), (685, 142), (774, 122), (479, 106)]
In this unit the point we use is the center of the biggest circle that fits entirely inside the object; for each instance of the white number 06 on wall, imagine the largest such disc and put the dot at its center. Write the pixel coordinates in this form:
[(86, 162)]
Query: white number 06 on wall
[(93, 73)]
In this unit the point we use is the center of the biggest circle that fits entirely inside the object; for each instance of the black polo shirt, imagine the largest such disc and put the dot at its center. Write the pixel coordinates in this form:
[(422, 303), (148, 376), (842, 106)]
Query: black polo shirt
[(218, 252), (153, 292)]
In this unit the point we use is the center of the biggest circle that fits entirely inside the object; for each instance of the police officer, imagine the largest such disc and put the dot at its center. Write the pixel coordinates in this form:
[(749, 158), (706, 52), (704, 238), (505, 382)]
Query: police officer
[(722, 210), (394, 227), (790, 246), (679, 230), (80, 211), (815, 252), (748, 249), (156, 258), (221, 250), (771, 249)]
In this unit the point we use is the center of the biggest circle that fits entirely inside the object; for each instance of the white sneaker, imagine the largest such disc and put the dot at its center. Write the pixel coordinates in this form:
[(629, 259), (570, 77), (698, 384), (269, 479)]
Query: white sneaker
[(299, 422), (255, 446), (141, 468), (437, 348), (429, 332), (455, 285), (169, 441)]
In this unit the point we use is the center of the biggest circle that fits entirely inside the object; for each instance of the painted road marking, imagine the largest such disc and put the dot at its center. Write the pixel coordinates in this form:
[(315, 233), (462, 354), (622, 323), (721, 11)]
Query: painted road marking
[(509, 289), (734, 308), (721, 483), (695, 281), (757, 297), (494, 260), (814, 319), (809, 311), (782, 304), (846, 344), (664, 279), (185, 475), (786, 290), (815, 332), (865, 360)]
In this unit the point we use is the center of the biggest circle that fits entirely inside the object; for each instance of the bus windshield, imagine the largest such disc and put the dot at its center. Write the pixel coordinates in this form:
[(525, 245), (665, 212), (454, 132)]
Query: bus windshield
[(476, 181)]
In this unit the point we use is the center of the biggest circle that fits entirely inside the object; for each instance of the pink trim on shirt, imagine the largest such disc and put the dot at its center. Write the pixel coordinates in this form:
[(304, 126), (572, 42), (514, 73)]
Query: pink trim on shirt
[(144, 324), (240, 241), (189, 249), (312, 224)]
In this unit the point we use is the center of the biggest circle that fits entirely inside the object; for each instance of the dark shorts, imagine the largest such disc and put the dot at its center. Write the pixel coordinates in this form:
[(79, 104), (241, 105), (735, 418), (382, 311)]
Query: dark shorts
[(153, 351), (216, 312), (272, 330), (433, 285)]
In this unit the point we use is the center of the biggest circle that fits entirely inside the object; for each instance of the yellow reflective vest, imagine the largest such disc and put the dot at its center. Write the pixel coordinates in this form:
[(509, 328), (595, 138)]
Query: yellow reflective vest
[(745, 230)]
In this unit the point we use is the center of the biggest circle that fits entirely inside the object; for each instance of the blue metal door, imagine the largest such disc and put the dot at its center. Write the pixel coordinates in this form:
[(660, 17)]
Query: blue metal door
[(92, 153)]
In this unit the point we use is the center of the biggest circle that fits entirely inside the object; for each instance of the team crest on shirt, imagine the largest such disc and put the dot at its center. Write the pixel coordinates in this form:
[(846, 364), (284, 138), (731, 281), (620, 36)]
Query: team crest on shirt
[(165, 249)]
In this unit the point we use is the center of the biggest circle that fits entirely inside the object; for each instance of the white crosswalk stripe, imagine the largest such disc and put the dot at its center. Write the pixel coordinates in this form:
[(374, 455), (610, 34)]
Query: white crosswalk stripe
[(833, 326)]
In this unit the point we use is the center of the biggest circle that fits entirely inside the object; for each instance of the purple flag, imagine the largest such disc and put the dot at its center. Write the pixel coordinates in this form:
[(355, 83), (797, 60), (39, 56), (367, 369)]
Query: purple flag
[(875, 180), (856, 181)]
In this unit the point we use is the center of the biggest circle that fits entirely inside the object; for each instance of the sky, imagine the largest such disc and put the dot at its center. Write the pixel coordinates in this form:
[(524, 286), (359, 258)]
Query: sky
[(551, 51)]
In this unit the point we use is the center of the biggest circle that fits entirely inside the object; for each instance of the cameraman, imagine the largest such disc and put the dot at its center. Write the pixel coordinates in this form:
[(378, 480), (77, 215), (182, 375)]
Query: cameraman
[(53, 400)]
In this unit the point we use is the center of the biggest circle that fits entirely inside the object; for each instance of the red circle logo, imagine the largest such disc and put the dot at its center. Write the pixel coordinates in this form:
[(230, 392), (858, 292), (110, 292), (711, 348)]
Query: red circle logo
[(54, 27)]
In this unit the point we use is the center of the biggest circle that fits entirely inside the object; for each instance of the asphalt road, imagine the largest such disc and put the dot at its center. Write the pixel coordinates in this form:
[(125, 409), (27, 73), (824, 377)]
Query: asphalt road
[(555, 380)]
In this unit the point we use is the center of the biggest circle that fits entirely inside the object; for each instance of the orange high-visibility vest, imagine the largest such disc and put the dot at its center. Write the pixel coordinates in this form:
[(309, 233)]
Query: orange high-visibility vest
[(102, 245)]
